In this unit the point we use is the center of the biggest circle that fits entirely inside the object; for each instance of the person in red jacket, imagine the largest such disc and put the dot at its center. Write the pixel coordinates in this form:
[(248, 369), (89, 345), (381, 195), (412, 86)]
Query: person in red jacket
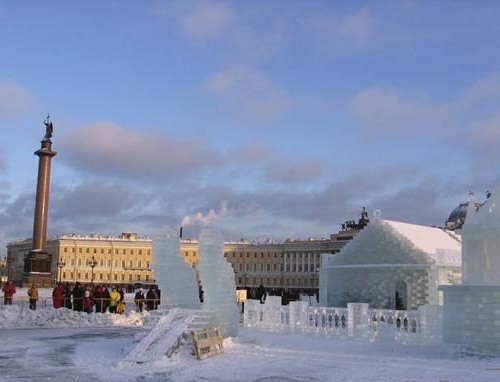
[(8, 289), (88, 302), (58, 296)]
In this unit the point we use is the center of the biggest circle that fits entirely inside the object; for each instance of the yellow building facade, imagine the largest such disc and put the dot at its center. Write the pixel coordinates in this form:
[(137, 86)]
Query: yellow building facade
[(291, 265), (124, 259)]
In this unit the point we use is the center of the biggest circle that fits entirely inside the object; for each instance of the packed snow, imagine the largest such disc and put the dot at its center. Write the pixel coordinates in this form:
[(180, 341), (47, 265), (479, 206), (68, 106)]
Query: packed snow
[(62, 345)]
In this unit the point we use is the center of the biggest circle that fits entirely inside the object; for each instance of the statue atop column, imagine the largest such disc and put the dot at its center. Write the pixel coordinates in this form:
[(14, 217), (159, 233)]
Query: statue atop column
[(49, 128)]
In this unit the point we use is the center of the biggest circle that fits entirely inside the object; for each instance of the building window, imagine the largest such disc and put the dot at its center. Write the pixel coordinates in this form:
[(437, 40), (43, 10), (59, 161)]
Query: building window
[(79, 262), (86, 276), (65, 249), (100, 276), (109, 251), (294, 267), (299, 268), (131, 263), (116, 251), (306, 269), (109, 264), (147, 277), (124, 252), (149, 252), (87, 250), (123, 276), (140, 251), (101, 263), (72, 261), (147, 264), (64, 275), (79, 250), (123, 263), (115, 276), (131, 251), (269, 267), (139, 263), (95, 250), (130, 277), (73, 250), (102, 251)]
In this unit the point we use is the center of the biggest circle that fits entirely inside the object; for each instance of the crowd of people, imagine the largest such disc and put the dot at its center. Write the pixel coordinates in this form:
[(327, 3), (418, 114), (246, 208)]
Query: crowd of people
[(88, 298)]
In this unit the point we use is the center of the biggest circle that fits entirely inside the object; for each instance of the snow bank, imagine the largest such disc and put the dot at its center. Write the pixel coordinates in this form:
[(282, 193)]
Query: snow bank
[(15, 317)]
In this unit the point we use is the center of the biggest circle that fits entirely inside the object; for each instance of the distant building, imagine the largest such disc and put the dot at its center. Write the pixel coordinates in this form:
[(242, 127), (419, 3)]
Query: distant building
[(292, 265), (125, 259), (392, 265)]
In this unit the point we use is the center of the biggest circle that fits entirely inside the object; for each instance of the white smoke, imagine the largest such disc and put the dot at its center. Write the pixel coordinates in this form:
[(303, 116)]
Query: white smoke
[(210, 217)]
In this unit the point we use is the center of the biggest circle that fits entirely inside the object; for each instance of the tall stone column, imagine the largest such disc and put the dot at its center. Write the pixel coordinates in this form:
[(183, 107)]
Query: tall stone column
[(37, 264), (42, 194)]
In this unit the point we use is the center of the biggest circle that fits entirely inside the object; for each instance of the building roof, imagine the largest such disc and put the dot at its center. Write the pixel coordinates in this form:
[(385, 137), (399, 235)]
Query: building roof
[(385, 242)]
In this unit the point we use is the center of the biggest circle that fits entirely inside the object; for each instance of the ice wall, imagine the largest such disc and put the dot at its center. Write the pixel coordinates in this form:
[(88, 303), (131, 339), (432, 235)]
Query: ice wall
[(217, 279), (175, 278), (481, 242)]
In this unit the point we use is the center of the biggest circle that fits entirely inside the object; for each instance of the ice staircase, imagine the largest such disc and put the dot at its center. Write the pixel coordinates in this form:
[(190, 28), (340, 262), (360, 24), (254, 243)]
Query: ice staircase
[(170, 329)]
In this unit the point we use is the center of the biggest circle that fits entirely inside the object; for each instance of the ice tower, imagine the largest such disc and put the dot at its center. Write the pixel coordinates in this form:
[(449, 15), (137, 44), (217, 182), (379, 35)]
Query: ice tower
[(217, 278), (176, 279), (471, 310)]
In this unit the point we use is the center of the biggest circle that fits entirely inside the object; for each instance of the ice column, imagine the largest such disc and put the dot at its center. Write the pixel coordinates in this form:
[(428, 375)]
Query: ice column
[(217, 279), (176, 279)]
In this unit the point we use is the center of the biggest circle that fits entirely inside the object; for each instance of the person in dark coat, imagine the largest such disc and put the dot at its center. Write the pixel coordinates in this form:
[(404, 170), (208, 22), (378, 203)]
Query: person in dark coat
[(261, 293), (99, 299), (139, 299), (78, 293), (67, 296), (106, 298), (152, 300)]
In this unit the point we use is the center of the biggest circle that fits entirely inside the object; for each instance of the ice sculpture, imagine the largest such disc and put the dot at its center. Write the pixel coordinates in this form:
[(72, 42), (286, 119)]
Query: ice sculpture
[(481, 242), (176, 279), (217, 279), (470, 315)]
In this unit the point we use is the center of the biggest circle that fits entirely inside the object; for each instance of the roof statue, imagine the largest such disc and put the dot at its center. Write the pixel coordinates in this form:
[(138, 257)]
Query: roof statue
[(49, 128)]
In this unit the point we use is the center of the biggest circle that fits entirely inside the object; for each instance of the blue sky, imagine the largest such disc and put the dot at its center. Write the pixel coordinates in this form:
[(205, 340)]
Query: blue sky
[(266, 119)]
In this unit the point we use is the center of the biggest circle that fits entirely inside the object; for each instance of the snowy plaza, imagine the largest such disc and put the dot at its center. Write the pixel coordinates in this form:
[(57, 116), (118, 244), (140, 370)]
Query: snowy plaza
[(80, 349)]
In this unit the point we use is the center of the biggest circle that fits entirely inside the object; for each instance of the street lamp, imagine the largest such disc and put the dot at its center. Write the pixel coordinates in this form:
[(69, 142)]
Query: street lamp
[(60, 265), (92, 263)]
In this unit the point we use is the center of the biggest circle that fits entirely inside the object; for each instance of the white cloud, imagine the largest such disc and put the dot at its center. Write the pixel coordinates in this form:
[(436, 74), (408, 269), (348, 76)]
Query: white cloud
[(381, 110), (249, 93), (15, 100), (291, 172), (357, 26), (122, 151), (483, 89), (208, 21), (485, 136), (328, 30)]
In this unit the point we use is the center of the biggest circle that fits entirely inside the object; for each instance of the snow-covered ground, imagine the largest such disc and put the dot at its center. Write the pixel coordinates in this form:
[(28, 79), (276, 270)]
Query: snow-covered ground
[(59, 345)]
